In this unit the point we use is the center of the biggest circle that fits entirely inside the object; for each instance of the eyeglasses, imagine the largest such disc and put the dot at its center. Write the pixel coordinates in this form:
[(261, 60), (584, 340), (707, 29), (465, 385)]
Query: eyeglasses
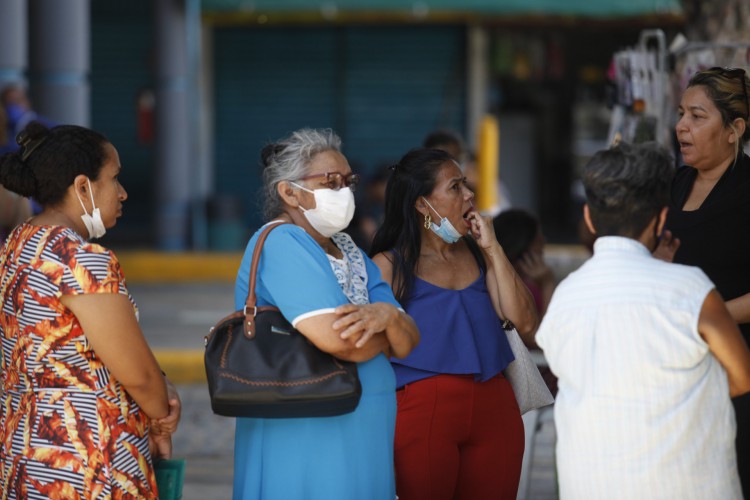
[(335, 180), (735, 73)]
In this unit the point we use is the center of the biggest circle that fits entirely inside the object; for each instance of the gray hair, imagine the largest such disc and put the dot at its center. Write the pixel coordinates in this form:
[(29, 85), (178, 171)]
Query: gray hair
[(288, 160), (627, 186)]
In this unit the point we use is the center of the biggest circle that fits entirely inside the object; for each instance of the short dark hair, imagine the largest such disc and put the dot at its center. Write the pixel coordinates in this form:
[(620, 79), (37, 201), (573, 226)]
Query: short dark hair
[(50, 159), (443, 137), (626, 187)]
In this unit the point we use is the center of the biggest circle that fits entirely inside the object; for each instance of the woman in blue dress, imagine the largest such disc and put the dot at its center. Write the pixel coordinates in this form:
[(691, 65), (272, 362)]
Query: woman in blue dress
[(333, 294)]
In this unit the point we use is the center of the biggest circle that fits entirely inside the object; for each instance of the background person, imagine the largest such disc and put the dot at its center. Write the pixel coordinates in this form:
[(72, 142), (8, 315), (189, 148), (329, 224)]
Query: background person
[(449, 141), (17, 110), (19, 113), (14, 209), (520, 235), (646, 353), (710, 204), (82, 394), (5, 146), (459, 432), (370, 199), (332, 293)]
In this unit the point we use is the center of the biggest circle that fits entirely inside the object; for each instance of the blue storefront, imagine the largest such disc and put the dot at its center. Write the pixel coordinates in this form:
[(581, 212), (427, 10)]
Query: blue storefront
[(381, 78)]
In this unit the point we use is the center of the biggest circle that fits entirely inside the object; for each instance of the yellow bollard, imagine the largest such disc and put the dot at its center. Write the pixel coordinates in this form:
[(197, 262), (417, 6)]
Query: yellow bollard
[(488, 165)]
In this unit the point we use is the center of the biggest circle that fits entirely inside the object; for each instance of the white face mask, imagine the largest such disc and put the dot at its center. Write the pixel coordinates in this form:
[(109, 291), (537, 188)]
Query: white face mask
[(93, 222), (333, 210)]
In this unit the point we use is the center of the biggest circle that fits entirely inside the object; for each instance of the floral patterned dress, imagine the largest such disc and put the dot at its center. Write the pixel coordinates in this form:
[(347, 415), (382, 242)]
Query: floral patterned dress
[(67, 429)]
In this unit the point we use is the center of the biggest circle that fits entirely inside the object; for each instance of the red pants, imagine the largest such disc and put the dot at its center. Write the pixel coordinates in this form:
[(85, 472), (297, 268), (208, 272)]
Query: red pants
[(458, 439)]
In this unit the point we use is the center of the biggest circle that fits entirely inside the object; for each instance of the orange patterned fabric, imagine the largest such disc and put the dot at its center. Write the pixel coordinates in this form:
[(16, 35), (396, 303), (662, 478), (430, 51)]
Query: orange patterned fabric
[(67, 429)]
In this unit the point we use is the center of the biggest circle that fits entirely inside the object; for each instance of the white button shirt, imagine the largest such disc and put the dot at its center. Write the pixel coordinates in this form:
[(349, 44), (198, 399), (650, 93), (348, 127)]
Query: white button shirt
[(643, 409)]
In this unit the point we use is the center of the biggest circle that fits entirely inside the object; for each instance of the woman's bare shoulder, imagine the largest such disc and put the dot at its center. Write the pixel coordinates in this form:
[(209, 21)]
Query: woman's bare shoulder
[(384, 261)]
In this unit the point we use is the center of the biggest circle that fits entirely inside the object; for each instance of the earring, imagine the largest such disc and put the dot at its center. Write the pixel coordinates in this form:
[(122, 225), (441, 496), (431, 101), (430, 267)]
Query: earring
[(427, 221)]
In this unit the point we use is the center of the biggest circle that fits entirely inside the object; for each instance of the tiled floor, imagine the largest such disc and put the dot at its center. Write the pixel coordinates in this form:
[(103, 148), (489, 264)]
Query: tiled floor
[(542, 484)]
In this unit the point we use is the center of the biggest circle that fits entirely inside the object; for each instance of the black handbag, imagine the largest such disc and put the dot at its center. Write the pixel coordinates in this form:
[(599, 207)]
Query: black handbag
[(259, 366)]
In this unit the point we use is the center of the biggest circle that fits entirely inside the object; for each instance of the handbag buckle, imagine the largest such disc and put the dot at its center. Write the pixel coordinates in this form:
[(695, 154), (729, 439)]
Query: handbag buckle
[(249, 327)]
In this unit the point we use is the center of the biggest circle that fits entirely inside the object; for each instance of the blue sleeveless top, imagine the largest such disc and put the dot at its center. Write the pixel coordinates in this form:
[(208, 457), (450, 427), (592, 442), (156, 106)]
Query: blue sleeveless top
[(460, 334)]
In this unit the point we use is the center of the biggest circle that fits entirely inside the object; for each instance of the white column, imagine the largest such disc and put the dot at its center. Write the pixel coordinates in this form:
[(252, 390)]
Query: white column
[(13, 45), (477, 80), (173, 122), (60, 60)]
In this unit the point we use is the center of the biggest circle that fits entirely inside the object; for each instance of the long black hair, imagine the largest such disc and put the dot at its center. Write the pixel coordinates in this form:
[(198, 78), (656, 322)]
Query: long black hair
[(413, 176)]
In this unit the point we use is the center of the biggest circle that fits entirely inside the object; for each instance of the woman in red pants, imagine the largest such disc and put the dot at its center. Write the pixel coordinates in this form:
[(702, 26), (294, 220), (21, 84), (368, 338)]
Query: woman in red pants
[(459, 433)]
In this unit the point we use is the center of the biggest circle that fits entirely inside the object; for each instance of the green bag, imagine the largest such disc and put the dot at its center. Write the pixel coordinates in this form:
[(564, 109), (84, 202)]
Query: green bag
[(170, 476)]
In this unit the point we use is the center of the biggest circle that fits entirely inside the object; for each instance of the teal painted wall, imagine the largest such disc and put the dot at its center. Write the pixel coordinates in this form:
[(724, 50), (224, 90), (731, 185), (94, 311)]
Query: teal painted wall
[(381, 88), (599, 8), (121, 39)]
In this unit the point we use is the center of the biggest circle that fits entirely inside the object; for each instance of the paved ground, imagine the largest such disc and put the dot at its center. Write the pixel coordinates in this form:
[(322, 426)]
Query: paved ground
[(175, 318), (205, 441)]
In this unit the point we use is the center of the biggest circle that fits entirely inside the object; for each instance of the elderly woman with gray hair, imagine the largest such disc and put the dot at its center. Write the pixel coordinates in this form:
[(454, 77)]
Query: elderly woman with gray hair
[(332, 293)]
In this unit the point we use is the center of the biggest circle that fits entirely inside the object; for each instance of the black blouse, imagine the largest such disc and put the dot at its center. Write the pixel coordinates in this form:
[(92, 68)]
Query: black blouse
[(716, 236)]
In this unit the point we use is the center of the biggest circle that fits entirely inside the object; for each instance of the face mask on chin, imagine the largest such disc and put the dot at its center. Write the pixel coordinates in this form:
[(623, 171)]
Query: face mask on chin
[(445, 230), (333, 210), (94, 224)]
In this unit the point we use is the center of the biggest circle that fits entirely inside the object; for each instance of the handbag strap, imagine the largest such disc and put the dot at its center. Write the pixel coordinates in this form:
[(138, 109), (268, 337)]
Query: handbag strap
[(250, 309)]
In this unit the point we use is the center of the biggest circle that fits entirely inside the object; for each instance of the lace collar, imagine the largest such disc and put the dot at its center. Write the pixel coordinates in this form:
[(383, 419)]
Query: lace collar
[(350, 270)]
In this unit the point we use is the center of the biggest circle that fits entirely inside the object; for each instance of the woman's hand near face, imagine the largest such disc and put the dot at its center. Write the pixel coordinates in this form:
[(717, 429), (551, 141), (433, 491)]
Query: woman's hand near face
[(482, 230)]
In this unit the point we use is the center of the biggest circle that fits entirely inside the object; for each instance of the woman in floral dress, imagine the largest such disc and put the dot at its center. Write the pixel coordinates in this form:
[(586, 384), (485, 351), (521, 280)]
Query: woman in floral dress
[(83, 398)]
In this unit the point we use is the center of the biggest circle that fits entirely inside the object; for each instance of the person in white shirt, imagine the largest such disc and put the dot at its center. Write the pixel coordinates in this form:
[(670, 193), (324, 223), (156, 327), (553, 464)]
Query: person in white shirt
[(646, 352)]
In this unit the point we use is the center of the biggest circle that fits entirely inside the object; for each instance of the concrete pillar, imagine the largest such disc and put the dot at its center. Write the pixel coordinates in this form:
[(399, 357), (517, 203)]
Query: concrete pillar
[(13, 41), (477, 80), (173, 159), (60, 60), (202, 180)]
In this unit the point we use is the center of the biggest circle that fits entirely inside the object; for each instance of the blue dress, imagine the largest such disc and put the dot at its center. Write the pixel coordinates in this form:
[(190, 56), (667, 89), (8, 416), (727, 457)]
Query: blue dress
[(333, 458)]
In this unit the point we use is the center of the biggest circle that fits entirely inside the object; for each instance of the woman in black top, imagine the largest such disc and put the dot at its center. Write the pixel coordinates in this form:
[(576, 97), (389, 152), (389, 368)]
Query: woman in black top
[(709, 216)]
